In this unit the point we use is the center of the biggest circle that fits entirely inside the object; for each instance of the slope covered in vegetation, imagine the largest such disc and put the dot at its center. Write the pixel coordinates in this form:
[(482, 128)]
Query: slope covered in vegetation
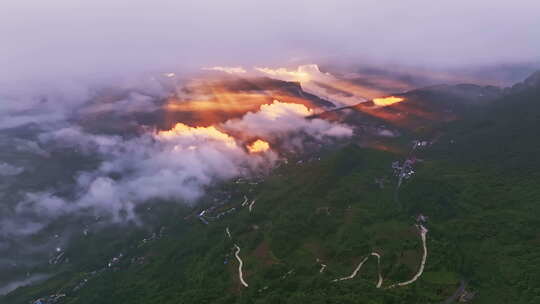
[(313, 221)]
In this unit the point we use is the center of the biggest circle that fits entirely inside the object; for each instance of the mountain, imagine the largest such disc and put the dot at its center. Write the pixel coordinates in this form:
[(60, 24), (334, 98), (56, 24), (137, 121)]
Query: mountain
[(532, 82), (127, 111), (505, 130), (338, 226)]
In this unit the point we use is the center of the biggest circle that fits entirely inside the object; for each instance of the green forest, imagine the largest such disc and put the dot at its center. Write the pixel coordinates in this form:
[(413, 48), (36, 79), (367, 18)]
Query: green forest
[(477, 183)]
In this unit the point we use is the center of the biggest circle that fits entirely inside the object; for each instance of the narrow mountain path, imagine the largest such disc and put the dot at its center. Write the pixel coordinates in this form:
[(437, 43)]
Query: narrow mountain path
[(251, 205), (380, 278), (240, 265), (245, 201), (423, 233), (423, 236), (355, 272)]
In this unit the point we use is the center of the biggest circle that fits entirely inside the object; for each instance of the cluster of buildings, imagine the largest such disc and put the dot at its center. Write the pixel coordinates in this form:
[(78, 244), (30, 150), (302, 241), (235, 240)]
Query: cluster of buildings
[(417, 144), (466, 296), (115, 260), (204, 217), (52, 299), (58, 258), (404, 170), (420, 218), (154, 236)]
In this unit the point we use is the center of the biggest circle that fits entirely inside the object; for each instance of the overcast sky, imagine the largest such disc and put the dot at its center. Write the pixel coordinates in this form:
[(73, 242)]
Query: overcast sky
[(58, 38)]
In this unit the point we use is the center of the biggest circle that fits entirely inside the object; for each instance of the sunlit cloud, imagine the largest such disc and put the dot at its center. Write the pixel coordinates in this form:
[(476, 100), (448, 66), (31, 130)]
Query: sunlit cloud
[(258, 146), (228, 70), (386, 101)]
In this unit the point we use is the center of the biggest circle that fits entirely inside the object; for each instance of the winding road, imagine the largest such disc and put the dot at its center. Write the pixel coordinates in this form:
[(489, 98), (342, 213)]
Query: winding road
[(240, 265), (423, 233), (354, 272), (251, 205), (245, 201), (380, 281)]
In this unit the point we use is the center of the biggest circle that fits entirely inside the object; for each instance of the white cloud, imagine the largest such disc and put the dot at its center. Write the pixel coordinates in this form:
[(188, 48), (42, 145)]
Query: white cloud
[(133, 103), (174, 165), (9, 170), (280, 119), (228, 70)]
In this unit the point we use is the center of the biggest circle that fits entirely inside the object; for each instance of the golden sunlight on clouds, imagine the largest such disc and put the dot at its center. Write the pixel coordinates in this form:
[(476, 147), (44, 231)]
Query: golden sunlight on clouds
[(289, 75), (279, 109), (386, 101), (181, 130), (258, 146), (228, 70)]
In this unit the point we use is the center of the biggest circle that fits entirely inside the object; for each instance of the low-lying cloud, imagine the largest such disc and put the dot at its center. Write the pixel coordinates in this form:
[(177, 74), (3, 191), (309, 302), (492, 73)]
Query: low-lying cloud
[(175, 165), (9, 170), (60, 177), (279, 119), (24, 282)]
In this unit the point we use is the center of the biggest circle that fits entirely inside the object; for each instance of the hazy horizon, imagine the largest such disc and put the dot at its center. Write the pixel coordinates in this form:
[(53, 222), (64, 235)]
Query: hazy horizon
[(63, 39)]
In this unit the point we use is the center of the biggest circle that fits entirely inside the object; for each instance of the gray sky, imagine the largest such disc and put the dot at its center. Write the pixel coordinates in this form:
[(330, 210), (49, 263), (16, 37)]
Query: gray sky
[(60, 38)]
